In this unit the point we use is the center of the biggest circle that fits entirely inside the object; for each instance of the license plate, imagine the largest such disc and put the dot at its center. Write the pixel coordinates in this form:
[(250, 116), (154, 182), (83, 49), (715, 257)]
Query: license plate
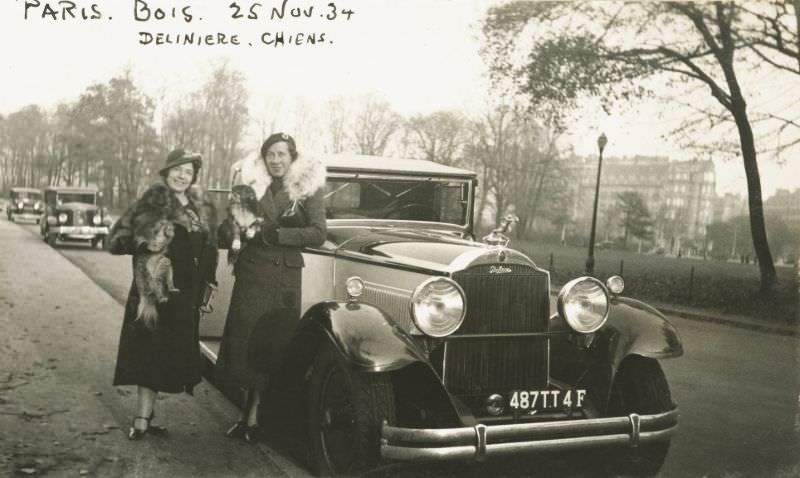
[(541, 400)]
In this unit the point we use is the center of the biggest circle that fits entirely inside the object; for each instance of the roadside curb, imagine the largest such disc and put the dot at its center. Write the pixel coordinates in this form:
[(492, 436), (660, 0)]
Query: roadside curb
[(786, 330)]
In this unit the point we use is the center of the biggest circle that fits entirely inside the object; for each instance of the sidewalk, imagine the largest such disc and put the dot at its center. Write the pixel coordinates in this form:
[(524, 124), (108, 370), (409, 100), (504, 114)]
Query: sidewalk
[(60, 414)]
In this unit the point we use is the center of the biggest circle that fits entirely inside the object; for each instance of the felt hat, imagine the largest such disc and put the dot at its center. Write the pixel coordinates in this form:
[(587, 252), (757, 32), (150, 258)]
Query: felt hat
[(177, 157)]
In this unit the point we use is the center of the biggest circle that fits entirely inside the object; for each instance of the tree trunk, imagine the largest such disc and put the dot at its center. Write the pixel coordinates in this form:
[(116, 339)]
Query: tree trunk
[(757, 228)]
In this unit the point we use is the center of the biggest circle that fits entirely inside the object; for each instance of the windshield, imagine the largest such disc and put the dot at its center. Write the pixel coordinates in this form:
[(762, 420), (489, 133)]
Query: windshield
[(87, 198), (25, 195), (411, 200)]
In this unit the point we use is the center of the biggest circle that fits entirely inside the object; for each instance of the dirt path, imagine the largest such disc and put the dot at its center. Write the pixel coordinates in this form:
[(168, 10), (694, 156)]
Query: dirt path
[(59, 414)]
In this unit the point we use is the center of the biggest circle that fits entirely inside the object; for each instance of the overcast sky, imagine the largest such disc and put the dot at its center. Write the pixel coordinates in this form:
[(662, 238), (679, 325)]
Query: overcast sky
[(421, 55)]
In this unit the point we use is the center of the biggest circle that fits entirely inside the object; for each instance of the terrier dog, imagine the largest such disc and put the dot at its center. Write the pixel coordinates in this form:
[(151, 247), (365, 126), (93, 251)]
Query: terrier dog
[(152, 270), (245, 218)]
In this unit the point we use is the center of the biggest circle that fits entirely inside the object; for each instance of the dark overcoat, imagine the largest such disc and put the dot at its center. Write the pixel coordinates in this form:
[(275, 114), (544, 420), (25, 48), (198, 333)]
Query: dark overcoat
[(268, 278), (168, 358)]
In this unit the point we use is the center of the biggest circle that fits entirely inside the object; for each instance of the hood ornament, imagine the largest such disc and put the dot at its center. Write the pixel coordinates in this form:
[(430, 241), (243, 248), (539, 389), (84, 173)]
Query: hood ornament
[(498, 235)]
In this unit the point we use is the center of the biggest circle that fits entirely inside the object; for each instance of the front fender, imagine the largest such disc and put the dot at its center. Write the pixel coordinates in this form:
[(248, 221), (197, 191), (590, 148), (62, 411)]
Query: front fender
[(365, 336), (367, 339), (633, 328)]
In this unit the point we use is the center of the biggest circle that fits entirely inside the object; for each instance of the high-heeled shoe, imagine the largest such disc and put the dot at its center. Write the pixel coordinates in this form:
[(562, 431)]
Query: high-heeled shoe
[(138, 433), (155, 429), (252, 434), (237, 430)]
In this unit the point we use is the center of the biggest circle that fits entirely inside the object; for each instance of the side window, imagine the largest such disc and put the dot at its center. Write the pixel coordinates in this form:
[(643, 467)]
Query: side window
[(343, 200)]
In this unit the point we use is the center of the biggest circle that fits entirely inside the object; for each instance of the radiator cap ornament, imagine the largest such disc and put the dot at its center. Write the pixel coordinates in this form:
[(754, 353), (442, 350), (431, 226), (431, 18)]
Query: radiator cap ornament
[(498, 235)]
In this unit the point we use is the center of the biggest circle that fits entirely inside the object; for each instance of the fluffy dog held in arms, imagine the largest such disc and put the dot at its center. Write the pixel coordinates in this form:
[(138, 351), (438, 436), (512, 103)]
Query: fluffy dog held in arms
[(152, 270), (244, 218)]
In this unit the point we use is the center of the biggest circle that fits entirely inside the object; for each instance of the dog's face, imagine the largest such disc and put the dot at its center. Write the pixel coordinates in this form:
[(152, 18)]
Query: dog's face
[(159, 235), (242, 194), (153, 229), (243, 205)]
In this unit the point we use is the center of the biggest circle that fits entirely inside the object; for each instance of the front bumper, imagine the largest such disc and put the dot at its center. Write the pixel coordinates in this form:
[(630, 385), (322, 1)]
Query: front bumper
[(80, 232), (26, 216), (481, 441)]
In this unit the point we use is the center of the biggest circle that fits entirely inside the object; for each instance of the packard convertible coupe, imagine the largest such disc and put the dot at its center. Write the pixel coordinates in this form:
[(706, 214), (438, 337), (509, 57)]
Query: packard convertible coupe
[(72, 214), (418, 341)]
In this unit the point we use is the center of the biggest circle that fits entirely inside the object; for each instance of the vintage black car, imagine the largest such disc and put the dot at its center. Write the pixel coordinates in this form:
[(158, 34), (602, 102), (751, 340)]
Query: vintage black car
[(24, 204), (417, 341), (72, 214)]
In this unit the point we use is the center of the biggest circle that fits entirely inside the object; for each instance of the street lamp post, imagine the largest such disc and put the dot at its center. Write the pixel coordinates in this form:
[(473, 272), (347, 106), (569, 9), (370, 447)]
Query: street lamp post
[(602, 140)]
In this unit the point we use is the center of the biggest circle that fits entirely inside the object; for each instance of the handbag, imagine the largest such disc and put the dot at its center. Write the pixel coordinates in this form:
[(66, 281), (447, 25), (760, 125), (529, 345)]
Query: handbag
[(293, 216)]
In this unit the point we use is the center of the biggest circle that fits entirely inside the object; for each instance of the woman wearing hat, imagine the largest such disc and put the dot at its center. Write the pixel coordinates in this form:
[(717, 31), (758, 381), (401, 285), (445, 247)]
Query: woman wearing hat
[(266, 293), (166, 358)]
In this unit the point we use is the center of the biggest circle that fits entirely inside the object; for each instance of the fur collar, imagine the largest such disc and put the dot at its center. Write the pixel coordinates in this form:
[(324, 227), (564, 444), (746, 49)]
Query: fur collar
[(305, 176)]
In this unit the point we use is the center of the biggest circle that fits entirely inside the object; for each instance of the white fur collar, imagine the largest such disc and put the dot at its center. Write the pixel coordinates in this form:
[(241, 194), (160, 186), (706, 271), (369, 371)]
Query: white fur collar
[(306, 174)]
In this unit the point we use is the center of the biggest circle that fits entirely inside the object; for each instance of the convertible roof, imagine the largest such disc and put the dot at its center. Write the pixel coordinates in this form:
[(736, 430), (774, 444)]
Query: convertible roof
[(346, 163)]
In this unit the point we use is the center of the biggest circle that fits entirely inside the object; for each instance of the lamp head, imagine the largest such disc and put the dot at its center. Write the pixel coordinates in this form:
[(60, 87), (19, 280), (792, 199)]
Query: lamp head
[(602, 140)]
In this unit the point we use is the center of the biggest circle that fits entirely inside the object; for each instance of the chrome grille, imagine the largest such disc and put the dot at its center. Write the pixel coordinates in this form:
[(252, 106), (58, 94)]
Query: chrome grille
[(501, 298), (392, 300)]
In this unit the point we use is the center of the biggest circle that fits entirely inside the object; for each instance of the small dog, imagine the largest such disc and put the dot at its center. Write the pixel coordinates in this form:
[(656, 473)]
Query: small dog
[(245, 218), (152, 270)]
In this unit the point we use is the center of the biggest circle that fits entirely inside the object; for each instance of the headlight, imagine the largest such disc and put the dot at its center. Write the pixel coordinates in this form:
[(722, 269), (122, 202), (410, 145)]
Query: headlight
[(96, 220), (20, 205), (355, 287), (37, 206), (615, 285), (62, 217), (438, 307), (583, 303)]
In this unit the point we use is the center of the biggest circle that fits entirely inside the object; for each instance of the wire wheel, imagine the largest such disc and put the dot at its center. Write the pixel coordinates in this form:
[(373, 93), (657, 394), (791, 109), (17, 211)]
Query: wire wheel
[(346, 410)]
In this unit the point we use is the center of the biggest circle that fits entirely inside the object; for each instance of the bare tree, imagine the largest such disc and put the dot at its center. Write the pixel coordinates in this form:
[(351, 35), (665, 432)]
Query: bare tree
[(374, 124), (336, 119), (212, 120), (439, 136), (604, 49)]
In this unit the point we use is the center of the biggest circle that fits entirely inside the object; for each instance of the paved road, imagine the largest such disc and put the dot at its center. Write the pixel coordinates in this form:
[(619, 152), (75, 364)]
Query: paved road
[(738, 392)]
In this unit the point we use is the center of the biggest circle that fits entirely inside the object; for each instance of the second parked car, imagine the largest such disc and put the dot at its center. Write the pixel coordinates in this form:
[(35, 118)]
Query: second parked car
[(24, 204), (72, 214)]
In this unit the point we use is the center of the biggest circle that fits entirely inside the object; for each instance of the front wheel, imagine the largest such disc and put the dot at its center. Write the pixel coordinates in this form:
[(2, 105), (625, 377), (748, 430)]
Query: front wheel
[(345, 411), (50, 239), (640, 387)]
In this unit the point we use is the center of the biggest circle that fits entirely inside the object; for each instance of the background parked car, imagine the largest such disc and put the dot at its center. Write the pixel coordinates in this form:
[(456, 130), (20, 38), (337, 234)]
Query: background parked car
[(24, 204), (72, 214)]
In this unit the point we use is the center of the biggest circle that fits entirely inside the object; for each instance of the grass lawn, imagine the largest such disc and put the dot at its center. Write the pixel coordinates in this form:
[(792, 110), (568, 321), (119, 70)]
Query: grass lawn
[(725, 286)]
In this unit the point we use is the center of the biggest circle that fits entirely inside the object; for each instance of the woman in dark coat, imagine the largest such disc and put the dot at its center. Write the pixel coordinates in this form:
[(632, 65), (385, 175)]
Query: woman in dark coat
[(268, 269), (166, 358)]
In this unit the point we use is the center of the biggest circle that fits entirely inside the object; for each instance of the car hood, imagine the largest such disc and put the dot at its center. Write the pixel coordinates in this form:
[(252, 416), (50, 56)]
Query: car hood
[(76, 206), (433, 252)]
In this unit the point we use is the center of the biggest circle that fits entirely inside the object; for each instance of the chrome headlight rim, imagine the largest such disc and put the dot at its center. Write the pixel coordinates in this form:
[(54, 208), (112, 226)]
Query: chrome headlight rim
[(561, 302), (419, 289)]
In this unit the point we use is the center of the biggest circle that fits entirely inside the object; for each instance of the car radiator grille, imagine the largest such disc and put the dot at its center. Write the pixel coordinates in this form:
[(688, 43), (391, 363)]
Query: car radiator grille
[(512, 301)]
